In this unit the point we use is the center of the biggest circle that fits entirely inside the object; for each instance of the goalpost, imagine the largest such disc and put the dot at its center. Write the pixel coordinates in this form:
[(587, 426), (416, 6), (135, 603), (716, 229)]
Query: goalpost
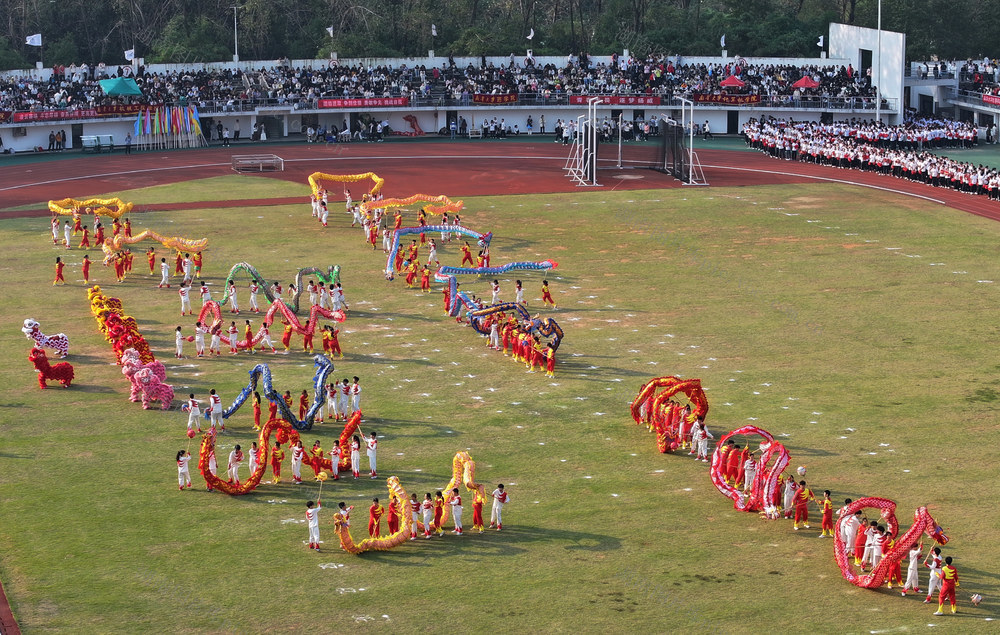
[(581, 164)]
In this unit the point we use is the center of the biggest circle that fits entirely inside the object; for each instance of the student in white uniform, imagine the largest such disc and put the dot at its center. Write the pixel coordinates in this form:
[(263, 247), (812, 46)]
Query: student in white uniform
[(414, 515), (496, 292), (345, 399), (703, 443), (427, 506), (432, 256), (356, 395), (183, 474), (912, 570), (205, 293), (356, 456), (164, 274), (312, 517), (185, 294), (456, 510), (332, 392), (199, 338), (194, 412), (254, 289), (849, 530), (933, 562), (179, 343), (297, 453), (254, 455), (749, 472), (235, 459), (500, 497), (519, 293), (233, 304), (372, 444), (335, 454), (215, 402)]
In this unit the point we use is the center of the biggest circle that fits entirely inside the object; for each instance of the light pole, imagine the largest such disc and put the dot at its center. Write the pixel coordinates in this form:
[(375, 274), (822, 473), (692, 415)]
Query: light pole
[(878, 67), (236, 37)]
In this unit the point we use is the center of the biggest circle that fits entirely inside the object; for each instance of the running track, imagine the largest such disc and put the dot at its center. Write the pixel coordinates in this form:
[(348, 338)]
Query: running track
[(457, 169)]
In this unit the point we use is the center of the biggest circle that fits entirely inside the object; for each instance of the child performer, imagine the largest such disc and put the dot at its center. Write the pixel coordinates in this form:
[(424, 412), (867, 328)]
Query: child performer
[(60, 265), (248, 334), (375, 513), (372, 444), (303, 404), (750, 471), (286, 337), (183, 475), (546, 295), (456, 511), (356, 395), (933, 562), (332, 392), (345, 399), (345, 513), (199, 338), (179, 343), (185, 294), (254, 289), (949, 582), (265, 338), (215, 345), (519, 293), (703, 443), (85, 239), (849, 528), (335, 343), (425, 280), (164, 274), (55, 230), (414, 506), (826, 507), (790, 487), (256, 411), (233, 304), (477, 510), (235, 459), (198, 260), (205, 294), (912, 570), (392, 514), (802, 497), (98, 232), (298, 452), (316, 457), (234, 337), (500, 497), (277, 456), (550, 362), (216, 410), (254, 460), (356, 455), (86, 268), (67, 232), (151, 258), (433, 255), (438, 512), (428, 508), (312, 516), (335, 454)]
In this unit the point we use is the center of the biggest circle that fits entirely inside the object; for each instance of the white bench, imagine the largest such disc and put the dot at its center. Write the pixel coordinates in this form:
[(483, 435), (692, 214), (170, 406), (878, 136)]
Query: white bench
[(476, 132), (258, 163)]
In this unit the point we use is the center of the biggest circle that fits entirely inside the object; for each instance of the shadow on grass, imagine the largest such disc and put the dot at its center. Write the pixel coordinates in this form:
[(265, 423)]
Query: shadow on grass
[(799, 451), (91, 389), (512, 542)]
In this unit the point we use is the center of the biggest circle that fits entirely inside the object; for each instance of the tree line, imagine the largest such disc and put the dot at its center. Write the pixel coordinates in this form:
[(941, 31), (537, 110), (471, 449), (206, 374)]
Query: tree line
[(188, 31)]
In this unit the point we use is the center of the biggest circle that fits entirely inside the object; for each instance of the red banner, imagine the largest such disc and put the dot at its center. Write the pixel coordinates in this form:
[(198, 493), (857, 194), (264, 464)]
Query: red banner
[(727, 99), (5, 116), (119, 109), (616, 100), (993, 100), (494, 99), (364, 103)]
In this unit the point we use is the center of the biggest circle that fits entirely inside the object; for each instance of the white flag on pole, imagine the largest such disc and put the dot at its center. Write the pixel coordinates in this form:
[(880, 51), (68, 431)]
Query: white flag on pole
[(34, 40), (532, 34), (329, 30), (722, 41), (434, 30), (820, 43), (130, 55)]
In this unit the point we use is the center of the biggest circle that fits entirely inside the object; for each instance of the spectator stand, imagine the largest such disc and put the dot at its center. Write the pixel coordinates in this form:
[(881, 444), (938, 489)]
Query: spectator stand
[(258, 163)]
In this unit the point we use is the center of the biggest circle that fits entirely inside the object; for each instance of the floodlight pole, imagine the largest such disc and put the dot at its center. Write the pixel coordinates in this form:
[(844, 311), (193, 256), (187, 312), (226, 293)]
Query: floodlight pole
[(236, 37), (878, 65)]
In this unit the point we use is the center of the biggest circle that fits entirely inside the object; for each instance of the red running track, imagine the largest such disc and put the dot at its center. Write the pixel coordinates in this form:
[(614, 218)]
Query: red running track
[(457, 169)]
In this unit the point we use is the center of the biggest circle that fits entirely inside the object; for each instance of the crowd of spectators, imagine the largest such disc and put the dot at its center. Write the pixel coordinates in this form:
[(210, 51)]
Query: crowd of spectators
[(76, 87), (904, 151)]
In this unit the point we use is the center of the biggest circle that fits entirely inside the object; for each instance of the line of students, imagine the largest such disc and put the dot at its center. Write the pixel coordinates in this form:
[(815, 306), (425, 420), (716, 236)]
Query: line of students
[(431, 509)]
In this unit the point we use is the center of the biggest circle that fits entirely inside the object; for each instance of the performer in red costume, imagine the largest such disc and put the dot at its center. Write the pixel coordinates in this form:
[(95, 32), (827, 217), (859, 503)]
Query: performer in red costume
[(949, 582), (60, 265), (826, 506), (392, 515), (802, 497), (86, 269), (85, 239), (374, 518), (466, 254), (151, 258)]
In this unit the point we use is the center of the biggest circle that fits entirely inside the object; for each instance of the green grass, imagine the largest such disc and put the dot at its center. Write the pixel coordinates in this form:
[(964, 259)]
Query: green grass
[(787, 301)]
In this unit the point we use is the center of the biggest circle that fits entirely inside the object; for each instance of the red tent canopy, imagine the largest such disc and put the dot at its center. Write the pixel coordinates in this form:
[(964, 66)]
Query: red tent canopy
[(806, 82), (732, 82)]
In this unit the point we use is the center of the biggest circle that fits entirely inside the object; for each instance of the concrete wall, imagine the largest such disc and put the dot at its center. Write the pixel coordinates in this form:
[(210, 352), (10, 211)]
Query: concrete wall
[(847, 42)]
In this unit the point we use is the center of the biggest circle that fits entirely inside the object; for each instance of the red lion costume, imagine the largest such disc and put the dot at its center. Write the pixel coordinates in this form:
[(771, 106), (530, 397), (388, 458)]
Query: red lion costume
[(61, 372)]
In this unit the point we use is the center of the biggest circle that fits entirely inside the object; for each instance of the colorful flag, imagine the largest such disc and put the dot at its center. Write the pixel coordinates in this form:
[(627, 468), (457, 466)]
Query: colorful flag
[(138, 123)]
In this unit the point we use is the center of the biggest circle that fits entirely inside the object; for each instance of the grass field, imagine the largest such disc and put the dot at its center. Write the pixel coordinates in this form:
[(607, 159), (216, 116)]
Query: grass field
[(854, 325)]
